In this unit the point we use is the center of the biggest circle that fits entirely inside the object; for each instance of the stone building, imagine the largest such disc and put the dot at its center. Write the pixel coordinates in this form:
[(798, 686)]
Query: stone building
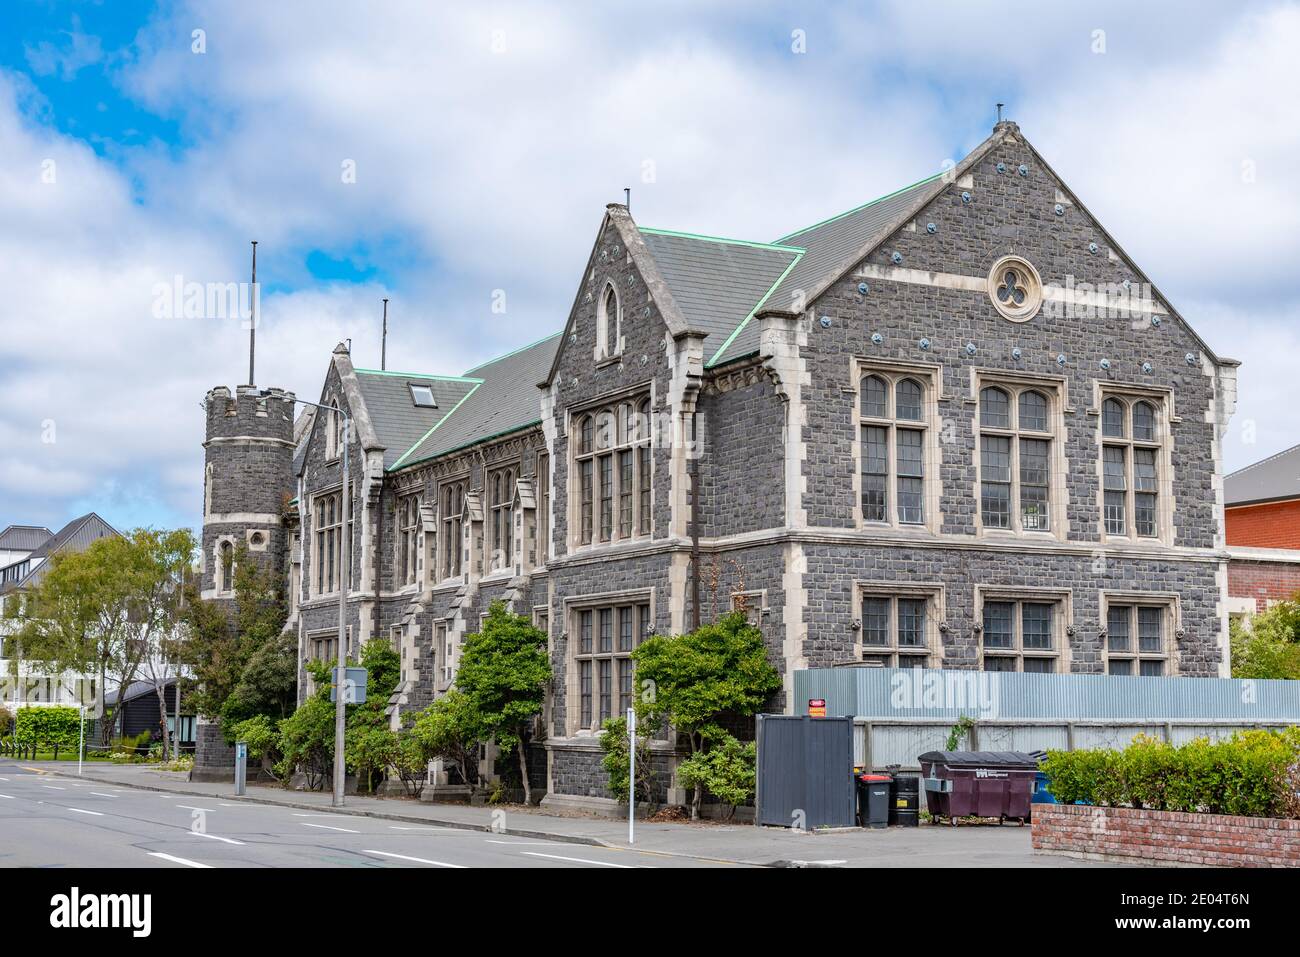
[(953, 427)]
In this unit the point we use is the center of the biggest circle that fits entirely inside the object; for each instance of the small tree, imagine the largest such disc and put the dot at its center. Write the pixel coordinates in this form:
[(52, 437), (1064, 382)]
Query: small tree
[(726, 770), (1267, 645), (693, 681), (503, 672), (449, 729), (615, 745)]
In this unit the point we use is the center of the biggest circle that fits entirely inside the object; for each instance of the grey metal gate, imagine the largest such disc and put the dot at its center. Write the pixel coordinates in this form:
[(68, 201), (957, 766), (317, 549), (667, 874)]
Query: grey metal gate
[(805, 771)]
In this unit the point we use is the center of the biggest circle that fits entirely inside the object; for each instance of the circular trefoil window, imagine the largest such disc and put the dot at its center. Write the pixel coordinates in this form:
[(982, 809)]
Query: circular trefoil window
[(1015, 289)]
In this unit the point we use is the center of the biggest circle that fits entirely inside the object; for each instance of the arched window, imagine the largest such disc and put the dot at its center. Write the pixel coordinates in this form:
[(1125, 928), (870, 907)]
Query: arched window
[(452, 508), (1112, 419), (1144, 422), (1130, 467), (892, 423), (612, 462), (226, 568), (907, 400), (501, 484), (874, 397), (408, 537), (1015, 458), (609, 323), (995, 408)]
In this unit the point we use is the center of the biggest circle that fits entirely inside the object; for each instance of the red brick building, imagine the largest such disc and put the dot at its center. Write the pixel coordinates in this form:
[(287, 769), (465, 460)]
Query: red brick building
[(1262, 529)]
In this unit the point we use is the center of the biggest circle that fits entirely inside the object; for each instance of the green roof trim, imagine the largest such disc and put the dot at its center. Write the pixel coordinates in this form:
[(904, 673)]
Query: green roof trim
[(415, 375), (515, 352), (757, 306), (720, 239), (850, 212), (426, 435), (472, 442)]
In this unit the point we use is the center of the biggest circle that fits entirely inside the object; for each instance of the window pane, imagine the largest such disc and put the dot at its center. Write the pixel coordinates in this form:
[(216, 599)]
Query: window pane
[(625, 493), (1144, 470), (1150, 630), (1120, 666), (586, 492), (995, 458), (875, 464), (1112, 419), (911, 622), (995, 492), (643, 519), (1115, 522), (606, 630), (1036, 626), (584, 632), (584, 690), (913, 661), (995, 408), (588, 430), (998, 624), (1040, 666), (606, 689), (1151, 669), (1144, 422), (1033, 411), (910, 471), (606, 497), (1112, 457), (996, 663), (1144, 514), (873, 396), (625, 632), (624, 685), (907, 400), (995, 505), (1117, 628), (875, 621), (1034, 471)]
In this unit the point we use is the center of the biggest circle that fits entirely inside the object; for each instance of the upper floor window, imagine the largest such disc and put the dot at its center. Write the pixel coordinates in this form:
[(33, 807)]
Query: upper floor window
[(226, 568), (1015, 458), (612, 462), (501, 492), (893, 433), (330, 555), (452, 508), (1130, 451), (333, 431), (408, 538), (543, 487), (609, 323)]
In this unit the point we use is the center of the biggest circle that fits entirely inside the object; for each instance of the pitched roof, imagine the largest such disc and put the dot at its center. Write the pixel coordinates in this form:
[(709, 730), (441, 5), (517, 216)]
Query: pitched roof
[(76, 535), (24, 537), (502, 397), (720, 283), (398, 421), (1273, 479)]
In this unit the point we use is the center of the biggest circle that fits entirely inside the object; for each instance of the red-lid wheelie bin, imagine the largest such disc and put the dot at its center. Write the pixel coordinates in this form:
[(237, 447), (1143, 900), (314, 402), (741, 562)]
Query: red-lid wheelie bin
[(978, 783)]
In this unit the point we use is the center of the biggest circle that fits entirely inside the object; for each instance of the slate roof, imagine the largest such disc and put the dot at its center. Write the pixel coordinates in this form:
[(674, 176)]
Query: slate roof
[(398, 421), (720, 283), (832, 246), (502, 397), (1273, 479), (76, 535), (24, 537)]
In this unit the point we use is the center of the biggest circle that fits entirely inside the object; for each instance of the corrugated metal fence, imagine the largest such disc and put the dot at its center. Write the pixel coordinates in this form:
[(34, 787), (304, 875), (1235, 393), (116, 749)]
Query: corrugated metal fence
[(900, 713)]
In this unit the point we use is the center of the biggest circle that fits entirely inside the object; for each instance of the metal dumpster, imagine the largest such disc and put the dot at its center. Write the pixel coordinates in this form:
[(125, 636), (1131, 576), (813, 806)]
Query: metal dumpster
[(980, 783)]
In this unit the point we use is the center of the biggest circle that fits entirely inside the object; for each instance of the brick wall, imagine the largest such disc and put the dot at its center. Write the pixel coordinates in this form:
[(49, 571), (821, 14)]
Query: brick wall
[(1274, 525), (1263, 581), (1170, 838)]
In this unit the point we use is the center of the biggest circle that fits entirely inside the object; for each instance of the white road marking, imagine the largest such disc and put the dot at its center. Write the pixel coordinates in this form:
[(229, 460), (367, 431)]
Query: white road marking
[(299, 814), (52, 787), (418, 860), (102, 795), (214, 837), (526, 843), (190, 807), (576, 860), (4, 779), (8, 796), (80, 811), (179, 860), (396, 827), (328, 828)]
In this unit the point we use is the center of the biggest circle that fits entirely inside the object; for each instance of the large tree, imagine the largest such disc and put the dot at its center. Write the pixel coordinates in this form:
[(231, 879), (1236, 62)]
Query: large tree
[(108, 608), (503, 674), (1267, 645)]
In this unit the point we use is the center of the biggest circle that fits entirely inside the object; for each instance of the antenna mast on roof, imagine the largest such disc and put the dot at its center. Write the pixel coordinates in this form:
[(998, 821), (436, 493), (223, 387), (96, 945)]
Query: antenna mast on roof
[(383, 341), (252, 317), (627, 197), (1000, 105)]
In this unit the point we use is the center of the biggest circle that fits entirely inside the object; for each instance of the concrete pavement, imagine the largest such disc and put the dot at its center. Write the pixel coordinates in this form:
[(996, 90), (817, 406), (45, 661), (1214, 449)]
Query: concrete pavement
[(926, 846)]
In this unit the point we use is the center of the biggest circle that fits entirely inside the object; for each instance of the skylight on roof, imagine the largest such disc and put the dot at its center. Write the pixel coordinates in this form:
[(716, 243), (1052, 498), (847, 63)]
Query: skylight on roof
[(422, 396)]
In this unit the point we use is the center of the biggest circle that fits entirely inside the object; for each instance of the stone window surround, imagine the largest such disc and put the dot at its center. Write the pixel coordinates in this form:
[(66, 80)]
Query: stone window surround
[(543, 489), (1166, 419), (930, 376), (447, 521), (219, 584), (936, 616), (444, 652), (333, 429), (315, 592), (1056, 389), (407, 521), (1029, 281), (638, 396), (1062, 621), (755, 601), (570, 606), (314, 638), (508, 472), (605, 351), (1171, 625)]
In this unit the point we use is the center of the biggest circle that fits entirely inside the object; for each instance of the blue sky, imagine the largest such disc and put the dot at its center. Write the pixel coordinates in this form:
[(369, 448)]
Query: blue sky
[(483, 141)]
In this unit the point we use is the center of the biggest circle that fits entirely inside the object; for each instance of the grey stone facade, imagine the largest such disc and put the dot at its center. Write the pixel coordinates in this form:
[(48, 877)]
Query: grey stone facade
[(770, 440)]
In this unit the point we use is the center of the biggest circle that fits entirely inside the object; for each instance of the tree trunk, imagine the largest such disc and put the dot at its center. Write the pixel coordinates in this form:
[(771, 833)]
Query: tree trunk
[(162, 710), (523, 770), (697, 792)]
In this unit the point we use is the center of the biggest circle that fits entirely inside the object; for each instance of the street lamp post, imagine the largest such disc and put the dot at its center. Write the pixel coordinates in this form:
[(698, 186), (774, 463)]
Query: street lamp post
[(345, 578)]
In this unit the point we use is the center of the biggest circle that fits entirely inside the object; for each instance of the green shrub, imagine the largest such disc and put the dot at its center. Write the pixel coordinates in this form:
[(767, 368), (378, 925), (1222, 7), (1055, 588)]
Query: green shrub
[(726, 771), (615, 759), (1252, 773)]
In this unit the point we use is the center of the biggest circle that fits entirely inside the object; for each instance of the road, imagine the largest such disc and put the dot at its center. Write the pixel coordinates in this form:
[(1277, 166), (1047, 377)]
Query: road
[(48, 821)]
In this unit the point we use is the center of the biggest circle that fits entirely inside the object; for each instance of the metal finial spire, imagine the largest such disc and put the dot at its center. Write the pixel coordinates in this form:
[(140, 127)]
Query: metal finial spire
[(383, 341), (252, 323)]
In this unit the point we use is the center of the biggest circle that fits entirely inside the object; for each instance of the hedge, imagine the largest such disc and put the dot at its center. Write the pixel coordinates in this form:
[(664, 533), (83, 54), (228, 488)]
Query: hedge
[(46, 730), (1252, 773)]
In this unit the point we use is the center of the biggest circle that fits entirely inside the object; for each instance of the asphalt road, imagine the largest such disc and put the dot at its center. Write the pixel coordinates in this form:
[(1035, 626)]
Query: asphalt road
[(55, 822)]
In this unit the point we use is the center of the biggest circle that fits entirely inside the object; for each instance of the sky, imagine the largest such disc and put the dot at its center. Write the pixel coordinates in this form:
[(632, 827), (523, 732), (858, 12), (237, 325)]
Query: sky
[(453, 158)]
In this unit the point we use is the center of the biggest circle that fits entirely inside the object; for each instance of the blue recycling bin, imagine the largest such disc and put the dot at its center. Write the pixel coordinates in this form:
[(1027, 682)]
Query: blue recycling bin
[(1041, 795)]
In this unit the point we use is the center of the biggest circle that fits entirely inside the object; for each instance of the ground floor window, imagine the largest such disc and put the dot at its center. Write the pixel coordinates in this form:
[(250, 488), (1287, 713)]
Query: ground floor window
[(1020, 634), (895, 629), (1136, 639), (604, 640)]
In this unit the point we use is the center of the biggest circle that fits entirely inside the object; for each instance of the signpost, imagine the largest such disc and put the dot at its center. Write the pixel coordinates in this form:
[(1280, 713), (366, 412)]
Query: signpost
[(241, 766), (631, 779), (354, 686)]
